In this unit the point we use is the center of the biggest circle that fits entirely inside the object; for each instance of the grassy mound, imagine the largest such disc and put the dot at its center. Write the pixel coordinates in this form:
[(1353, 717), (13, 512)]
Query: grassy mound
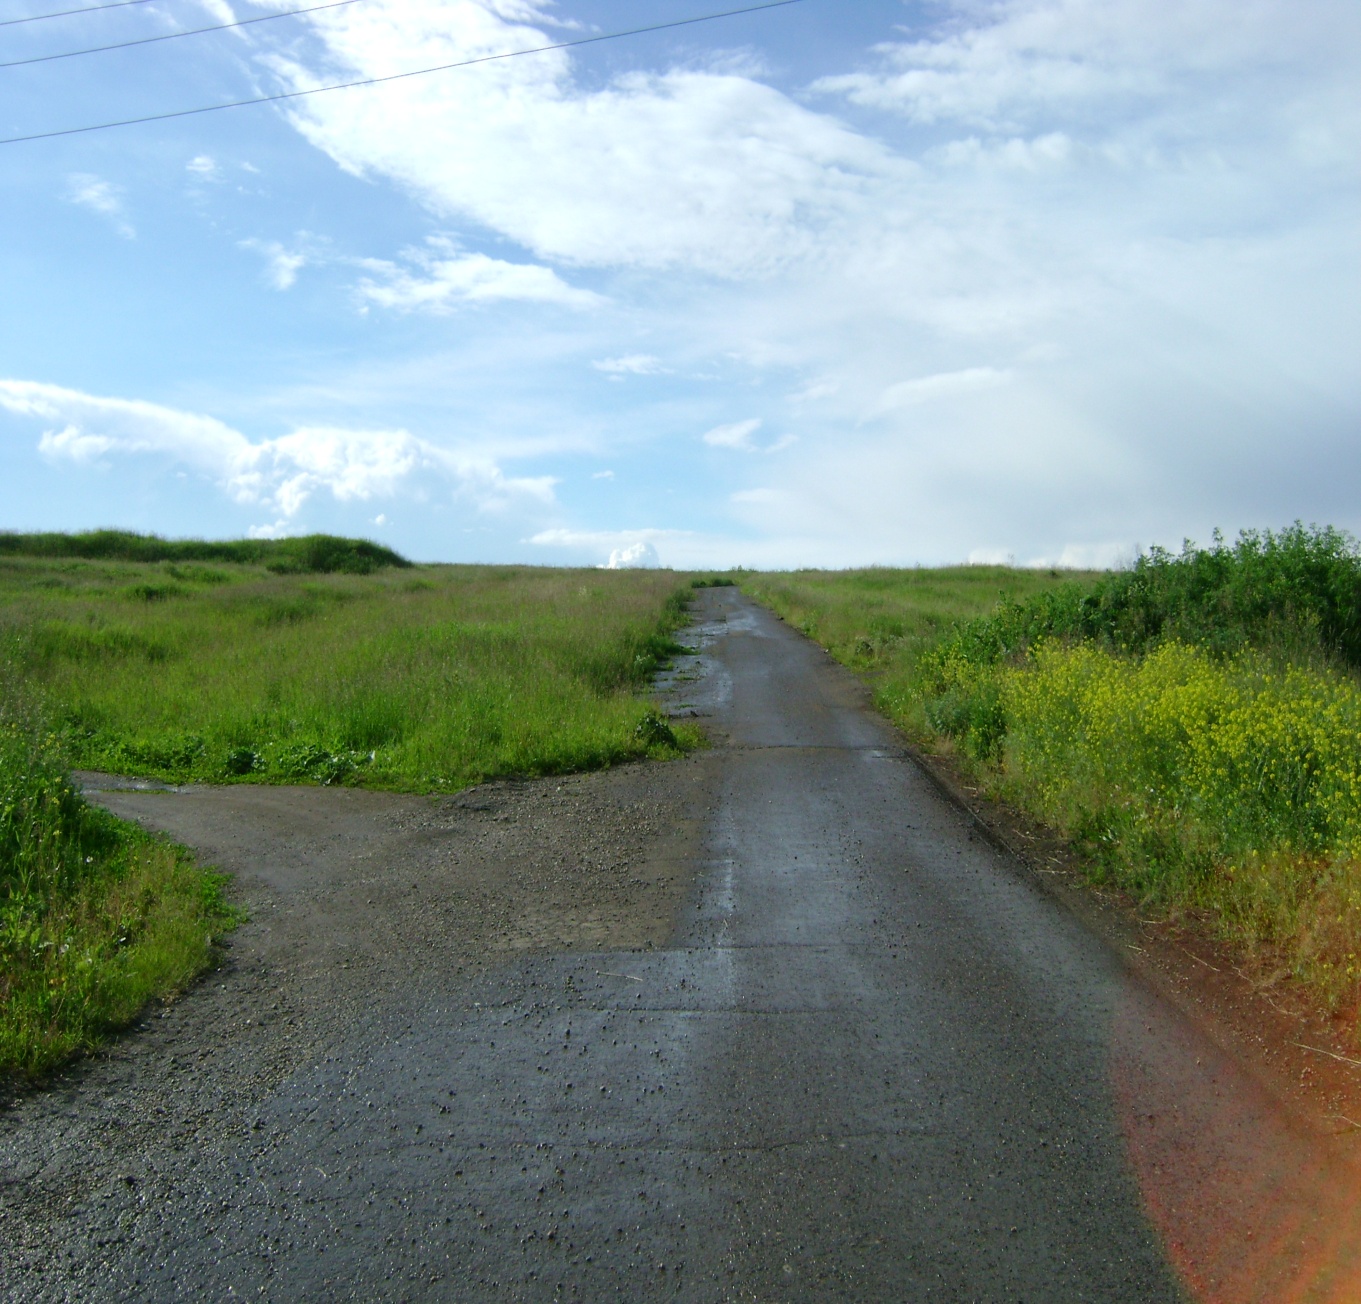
[(312, 554)]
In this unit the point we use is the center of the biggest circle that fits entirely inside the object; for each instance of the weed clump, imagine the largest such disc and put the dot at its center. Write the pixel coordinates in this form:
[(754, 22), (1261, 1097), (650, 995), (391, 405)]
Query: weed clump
[(654, 731)]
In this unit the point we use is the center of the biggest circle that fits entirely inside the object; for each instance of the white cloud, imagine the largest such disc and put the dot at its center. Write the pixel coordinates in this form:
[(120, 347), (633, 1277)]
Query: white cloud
[(102, 197), (272, 530), (1090, 556), (602, 475), (736, 435), (282, 264), (282, 473), (1003, 66), (703, 169), (444, 278), (814, 391), (632, 364), (621, 548), (739, 434), (205, 167), (1094, 278), (635, 557)]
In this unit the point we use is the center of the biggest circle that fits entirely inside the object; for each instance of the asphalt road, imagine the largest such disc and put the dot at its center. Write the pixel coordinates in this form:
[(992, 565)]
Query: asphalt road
[(874, 1062)]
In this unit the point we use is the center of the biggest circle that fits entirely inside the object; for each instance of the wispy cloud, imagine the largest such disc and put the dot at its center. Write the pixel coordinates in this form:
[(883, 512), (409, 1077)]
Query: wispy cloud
[(736, 435), (102, 197), (441, 277), (204, 167), (280, 473), (631, 364), (739, 434), (282, 264), (945, 384)]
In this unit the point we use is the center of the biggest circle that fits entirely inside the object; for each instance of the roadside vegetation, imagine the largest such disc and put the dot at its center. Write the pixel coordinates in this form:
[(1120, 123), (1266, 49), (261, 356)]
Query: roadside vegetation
[(1192, 723), (96, 918), (295, 661)]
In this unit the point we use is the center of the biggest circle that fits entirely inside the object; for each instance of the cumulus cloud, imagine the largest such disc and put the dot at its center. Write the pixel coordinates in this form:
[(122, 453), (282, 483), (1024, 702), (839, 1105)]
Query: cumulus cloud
[(688, 168), (102, 197), (281, 473), (636, 556), (622, 549), (441, 277), (204, 166)]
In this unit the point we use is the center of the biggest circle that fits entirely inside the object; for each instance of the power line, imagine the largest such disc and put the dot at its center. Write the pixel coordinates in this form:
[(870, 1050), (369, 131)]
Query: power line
[(66, 13), (174, 36), (396, 76)]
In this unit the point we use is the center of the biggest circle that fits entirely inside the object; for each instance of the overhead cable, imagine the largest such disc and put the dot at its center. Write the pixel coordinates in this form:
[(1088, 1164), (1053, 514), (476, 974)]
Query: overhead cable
[(174, 36), (66, 13), (396, 76)]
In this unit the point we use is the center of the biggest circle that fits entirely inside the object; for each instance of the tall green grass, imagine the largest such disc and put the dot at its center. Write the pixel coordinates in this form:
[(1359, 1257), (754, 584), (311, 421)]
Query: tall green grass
[(428, 678), (1192, 723), (880, 620), (95, 917)]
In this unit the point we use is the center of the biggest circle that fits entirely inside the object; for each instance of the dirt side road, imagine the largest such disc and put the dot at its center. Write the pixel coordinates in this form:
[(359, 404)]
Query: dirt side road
[(863, 1056), (368, 911)]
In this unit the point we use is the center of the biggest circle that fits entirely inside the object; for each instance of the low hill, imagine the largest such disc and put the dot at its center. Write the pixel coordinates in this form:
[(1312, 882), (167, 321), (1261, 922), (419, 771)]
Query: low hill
[(307, 554)]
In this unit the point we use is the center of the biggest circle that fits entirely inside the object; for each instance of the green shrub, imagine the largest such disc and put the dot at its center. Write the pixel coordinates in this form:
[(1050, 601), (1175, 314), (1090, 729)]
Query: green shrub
[(1299, 590)]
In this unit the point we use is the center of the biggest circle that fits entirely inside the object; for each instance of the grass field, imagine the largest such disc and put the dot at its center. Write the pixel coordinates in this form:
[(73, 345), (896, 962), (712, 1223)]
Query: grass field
[(320, 664), (425, 679), (881, 620), (1193, 723)]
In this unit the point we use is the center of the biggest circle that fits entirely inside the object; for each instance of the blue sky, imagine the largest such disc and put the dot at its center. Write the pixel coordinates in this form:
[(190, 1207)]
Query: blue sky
[(832, 284)]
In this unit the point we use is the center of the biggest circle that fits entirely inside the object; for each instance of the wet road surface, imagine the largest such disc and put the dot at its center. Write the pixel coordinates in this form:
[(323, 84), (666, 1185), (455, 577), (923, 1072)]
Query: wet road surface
[(874, 1063)]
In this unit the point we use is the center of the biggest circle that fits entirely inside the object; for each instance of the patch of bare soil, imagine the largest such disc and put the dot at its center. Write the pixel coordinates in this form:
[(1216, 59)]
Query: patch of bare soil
[(357, 901)]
